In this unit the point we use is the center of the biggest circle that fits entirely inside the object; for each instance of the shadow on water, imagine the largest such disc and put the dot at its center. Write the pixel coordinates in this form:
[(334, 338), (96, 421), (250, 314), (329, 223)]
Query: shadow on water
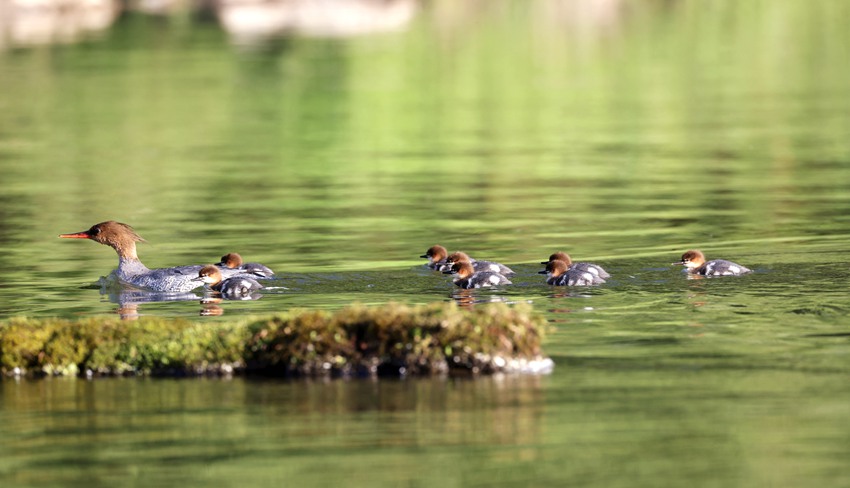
[(130, 300)]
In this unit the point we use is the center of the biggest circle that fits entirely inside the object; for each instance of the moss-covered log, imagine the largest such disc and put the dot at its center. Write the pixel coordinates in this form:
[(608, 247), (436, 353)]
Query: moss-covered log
[(390, 339)]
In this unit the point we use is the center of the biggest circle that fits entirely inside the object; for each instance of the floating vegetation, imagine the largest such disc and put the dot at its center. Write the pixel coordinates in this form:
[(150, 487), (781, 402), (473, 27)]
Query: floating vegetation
[(392, 339)]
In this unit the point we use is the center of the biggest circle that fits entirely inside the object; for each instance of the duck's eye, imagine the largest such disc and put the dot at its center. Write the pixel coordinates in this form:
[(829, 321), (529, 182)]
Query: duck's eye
[(94, 231)]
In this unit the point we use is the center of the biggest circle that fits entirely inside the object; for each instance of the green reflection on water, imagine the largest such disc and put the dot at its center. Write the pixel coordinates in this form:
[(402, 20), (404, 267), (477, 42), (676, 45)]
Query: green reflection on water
[(507, 136), (511, 130), (603, 425)]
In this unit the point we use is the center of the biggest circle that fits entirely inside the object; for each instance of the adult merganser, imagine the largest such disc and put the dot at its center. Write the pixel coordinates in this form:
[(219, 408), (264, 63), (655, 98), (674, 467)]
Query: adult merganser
[(436, 256), (589, 267), (459, 256), (468, 278), (233, 260), (231, 288), (694, 262), (123, 239), (559, 273)]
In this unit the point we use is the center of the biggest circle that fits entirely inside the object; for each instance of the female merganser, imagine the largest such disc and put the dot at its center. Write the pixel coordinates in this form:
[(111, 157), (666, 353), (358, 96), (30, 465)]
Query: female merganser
[(559, 273), (235, 287), (123, 239), (695, 263), (457, 257), (468, 278), (233, 260), (436, 255), (589, 267)]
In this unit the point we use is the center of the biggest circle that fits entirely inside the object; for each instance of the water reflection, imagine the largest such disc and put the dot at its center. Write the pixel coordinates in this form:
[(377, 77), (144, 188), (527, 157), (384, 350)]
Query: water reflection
[(307, 415), (129, 300), (255, 21), (38, 22), (468, 298), (565, 292), (129, 296), (210, 309)]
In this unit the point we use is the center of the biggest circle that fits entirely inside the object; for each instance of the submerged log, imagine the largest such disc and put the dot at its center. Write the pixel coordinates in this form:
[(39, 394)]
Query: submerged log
[(391, 339)]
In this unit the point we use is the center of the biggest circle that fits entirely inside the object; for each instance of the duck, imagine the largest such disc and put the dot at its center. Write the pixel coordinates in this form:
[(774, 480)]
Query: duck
[(589, 267), (695, 264), (131, 271), (232, 288), (436, 256), (459, 256), (468, 278), (559, 273)]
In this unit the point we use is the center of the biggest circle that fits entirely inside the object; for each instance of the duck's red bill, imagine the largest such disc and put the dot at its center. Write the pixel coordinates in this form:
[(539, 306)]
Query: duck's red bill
[(78, 235)]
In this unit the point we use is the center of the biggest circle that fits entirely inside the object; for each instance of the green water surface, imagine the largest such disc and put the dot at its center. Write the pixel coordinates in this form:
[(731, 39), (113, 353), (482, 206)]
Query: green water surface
[(623, 134)]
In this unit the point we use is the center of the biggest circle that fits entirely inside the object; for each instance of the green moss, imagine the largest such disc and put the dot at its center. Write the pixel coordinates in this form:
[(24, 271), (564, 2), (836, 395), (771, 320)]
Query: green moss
[(357, 340)]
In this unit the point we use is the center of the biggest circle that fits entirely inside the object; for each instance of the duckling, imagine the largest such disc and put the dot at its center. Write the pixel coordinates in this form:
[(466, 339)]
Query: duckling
[(695, 263), (559, 273), (231, 288), (458, 256), (436, 256), (589, 267), (233, 260), (468, 278)]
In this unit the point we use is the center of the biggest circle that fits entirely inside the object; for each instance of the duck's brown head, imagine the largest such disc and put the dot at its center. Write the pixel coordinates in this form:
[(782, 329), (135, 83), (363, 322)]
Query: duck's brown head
[(209, 274), (555, 268), (435, 253), (559, 256), (231, 260), (458, 257), (463, 269), (692, 259), (116, 235)]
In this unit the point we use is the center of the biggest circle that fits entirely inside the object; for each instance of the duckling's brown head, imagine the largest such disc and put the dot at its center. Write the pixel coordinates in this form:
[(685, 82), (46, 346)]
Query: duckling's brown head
[(209, 274), (435, 253), (692, 259), (555, 268), (458, 257), (231, 260), (463, 269), (559, 256)]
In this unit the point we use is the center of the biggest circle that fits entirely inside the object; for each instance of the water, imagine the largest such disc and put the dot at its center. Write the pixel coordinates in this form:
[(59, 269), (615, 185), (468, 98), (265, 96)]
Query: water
[(624, 135)]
